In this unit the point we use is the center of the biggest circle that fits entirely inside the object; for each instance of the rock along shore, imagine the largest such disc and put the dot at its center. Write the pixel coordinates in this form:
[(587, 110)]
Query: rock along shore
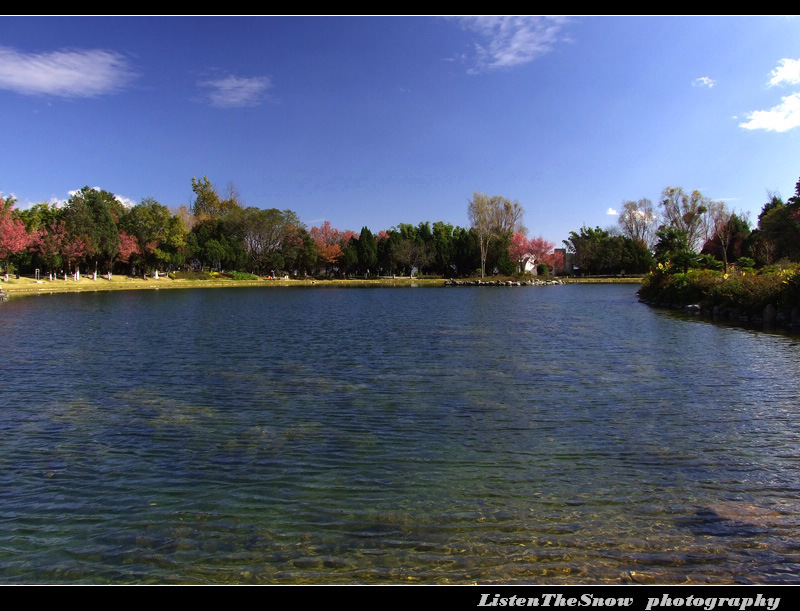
[(452, 282), (770, 318)]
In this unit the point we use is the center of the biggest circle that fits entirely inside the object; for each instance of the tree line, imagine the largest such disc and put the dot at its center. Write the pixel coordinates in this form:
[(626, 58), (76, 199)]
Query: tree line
[(689, 230), (95, 233)]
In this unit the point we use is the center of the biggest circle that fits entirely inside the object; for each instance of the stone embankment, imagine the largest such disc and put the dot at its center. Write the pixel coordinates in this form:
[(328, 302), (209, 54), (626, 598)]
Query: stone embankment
[(771, 317), (452, 282)]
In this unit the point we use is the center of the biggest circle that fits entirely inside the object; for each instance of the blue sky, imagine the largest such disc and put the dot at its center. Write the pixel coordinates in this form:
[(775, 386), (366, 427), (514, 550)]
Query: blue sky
[(378, 121)]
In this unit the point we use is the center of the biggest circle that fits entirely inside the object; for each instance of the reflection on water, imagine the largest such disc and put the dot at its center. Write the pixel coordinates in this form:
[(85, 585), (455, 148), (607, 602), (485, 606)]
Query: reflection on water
[(522, 435)]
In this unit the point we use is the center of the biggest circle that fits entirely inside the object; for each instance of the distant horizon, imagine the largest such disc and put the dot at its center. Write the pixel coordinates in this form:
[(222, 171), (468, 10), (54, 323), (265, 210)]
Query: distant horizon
[(381, 121)]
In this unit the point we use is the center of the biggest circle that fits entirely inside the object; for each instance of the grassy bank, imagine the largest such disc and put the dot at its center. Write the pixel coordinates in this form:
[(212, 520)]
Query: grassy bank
[(769, 294), (28, 286), (16, 287)]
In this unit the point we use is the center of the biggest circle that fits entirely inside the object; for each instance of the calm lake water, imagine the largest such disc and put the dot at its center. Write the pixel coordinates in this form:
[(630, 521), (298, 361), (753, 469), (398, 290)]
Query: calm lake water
[(561, 434)]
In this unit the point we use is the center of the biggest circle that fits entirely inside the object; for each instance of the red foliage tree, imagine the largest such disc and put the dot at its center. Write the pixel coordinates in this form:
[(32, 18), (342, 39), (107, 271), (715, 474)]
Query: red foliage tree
[(518, 249), (47, 242), (128, 246), (328, 241), (14, 238), (536, 250)]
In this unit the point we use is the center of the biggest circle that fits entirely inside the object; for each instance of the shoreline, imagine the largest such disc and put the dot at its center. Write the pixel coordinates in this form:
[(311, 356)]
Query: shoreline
[(28, 286)]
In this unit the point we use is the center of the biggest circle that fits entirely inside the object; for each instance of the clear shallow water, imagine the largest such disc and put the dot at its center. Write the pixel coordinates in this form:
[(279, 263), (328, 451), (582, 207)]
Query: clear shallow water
[(459, 435)]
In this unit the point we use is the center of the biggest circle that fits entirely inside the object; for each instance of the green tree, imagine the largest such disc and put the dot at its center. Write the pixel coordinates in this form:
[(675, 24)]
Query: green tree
[(385, 240), (596, 251), (300, 251), (442, 248), (729, 231), (159, 234), (263, 233), (39, 215), (348, 261), (466, 251), (367, 251), (91, 216), (673, 247), (779, 229), (586, 246)]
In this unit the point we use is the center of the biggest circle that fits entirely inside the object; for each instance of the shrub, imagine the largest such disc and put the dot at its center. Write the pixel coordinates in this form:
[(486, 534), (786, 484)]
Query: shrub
[(190, 276), (243, 276), (790, 295), (542, 269), (680, 288), (747, 291), (709, 262), (752, 293)]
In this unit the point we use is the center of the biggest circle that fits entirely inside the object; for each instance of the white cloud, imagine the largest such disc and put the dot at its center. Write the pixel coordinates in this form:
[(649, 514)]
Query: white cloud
[(611, 212), (786, 115), (235, 91), (512, 40), (68, 74), (125, 201), (788, 71), (780, 118), (704, 81)]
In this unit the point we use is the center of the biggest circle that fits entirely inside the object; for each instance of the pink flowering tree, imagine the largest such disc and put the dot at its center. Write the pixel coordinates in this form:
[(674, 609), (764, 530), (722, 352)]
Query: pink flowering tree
[(128, 247), (535, 250), (47, 241), (14, 238), (518, 250)]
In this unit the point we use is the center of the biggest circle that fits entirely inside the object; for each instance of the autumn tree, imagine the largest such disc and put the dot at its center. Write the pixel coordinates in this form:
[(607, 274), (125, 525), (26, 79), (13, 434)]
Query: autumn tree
[(493, 218), (207, 201), (523, 250), (554, 260), (14, 237), (48, 242), (518, 250), (327, 240), (128, 247), (185, 214)]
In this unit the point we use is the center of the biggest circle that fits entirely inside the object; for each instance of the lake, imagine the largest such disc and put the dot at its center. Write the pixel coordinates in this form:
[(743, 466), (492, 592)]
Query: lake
[(558, 435)]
